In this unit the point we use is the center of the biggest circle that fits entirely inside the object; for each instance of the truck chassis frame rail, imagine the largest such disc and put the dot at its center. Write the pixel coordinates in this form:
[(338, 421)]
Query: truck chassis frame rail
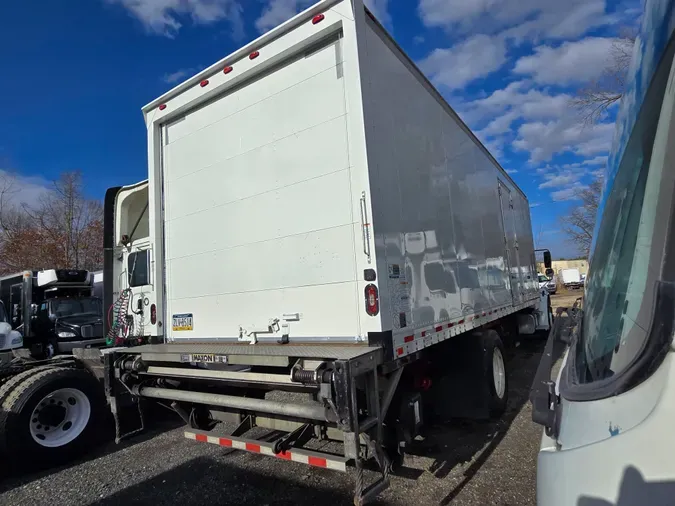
[(353, 398)]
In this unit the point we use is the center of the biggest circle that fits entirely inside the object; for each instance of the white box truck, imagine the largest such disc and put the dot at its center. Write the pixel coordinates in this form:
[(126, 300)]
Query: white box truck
[(317, 219), (570, 278)]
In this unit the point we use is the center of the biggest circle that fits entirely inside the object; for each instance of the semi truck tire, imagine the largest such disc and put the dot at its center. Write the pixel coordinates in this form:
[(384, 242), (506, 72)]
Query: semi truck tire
[(495, 376), (50, 416), (11, 382)]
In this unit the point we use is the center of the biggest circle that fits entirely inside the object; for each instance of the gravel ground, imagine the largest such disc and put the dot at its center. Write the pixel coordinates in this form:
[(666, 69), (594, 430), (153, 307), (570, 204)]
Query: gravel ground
[(474, 464)]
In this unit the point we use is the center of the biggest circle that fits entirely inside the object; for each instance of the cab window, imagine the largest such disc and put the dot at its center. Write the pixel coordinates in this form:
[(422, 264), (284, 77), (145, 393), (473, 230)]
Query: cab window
[(139, 268)]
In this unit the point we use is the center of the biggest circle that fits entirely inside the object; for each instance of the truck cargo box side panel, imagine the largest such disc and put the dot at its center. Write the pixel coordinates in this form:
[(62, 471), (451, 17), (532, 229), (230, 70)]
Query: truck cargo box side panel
[(259, 225), (436, 207)]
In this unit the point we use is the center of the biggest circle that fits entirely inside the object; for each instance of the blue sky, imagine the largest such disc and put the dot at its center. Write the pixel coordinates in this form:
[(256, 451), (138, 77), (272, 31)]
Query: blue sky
[(75, 74)]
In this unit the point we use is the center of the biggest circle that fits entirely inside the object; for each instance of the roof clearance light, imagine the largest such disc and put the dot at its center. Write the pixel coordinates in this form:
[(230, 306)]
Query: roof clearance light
[(162, 107), (227, 70), (205, 82), (254, 55), (318, 19)]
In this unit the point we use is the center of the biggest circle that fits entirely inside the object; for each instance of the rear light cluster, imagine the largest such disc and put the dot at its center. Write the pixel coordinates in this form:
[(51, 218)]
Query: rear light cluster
[(372, 300), (153, 314)]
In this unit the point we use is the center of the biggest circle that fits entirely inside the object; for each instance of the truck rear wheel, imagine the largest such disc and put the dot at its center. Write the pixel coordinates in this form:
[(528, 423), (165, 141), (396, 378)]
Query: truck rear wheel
[(10, 383), (495, 372), (51, 416)]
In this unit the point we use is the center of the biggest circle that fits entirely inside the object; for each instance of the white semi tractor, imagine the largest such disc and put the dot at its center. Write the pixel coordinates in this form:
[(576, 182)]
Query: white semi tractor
[(317, 220), (609, 412)]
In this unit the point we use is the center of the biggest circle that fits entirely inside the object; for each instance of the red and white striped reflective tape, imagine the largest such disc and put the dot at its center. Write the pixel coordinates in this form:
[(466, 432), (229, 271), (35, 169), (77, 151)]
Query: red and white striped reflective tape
[(420, 339), (315, 459)]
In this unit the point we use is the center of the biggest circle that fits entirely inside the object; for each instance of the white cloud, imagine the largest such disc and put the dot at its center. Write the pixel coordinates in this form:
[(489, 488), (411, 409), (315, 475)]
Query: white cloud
[(536, 121), (569, 193), (598, 173), (278, 11), (518, 19), (511, 171), (561, 20), (465, 62), (162, 16), (176, 76), (543, 140), (558, 180), (499, 125), (380, 9), (19, 189), (598, 160), (599, 142), (517, 98), (571, 62)]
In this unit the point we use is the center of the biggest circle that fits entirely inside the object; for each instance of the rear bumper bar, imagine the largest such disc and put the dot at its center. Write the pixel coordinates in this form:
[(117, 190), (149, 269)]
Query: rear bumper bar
[(315, 459)]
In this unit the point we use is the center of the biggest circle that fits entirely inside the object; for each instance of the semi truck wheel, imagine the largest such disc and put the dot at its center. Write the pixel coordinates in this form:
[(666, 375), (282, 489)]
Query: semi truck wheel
[(51, 416), (495, 372), (11, 382)]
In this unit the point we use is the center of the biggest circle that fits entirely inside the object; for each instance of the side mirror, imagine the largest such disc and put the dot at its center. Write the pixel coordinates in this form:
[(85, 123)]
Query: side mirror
[(547, 259)]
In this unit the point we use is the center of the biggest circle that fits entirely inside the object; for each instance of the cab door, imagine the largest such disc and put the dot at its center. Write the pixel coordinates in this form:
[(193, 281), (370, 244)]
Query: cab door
[(134, 293)]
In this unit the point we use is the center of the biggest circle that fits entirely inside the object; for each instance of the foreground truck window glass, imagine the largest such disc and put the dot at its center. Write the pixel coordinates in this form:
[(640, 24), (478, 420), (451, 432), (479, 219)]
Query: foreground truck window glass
[(608, 426), (620, 290)]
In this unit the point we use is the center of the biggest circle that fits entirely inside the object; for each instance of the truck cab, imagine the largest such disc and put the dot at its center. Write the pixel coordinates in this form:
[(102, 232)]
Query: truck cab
[(70, 322), (53, 310), (129, 259), (10, 339)]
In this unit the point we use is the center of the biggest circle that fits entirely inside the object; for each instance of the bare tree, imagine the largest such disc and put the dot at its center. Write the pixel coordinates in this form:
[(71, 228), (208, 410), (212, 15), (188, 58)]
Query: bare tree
[(593, 101), (65, 216), (579, 223), (63, 230)]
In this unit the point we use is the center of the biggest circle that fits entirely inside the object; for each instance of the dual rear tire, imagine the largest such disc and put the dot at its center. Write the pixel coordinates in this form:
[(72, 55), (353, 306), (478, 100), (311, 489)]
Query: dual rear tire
[(49, 415)]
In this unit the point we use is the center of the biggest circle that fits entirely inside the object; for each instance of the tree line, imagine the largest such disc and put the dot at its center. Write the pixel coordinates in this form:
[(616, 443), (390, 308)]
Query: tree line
[(63, 229)]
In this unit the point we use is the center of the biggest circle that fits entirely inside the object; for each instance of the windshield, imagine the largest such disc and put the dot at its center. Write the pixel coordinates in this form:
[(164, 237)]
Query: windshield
[(69, 307), (543, 278), (628, 240)]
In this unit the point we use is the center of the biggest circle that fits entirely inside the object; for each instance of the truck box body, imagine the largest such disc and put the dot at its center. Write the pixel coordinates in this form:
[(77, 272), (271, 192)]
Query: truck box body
[(570, 277), (286, 175)]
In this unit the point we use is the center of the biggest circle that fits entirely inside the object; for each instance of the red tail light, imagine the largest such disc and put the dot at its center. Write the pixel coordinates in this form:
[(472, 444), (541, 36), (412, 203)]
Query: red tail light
[(372, 300), (153, 314), (318, 18)]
